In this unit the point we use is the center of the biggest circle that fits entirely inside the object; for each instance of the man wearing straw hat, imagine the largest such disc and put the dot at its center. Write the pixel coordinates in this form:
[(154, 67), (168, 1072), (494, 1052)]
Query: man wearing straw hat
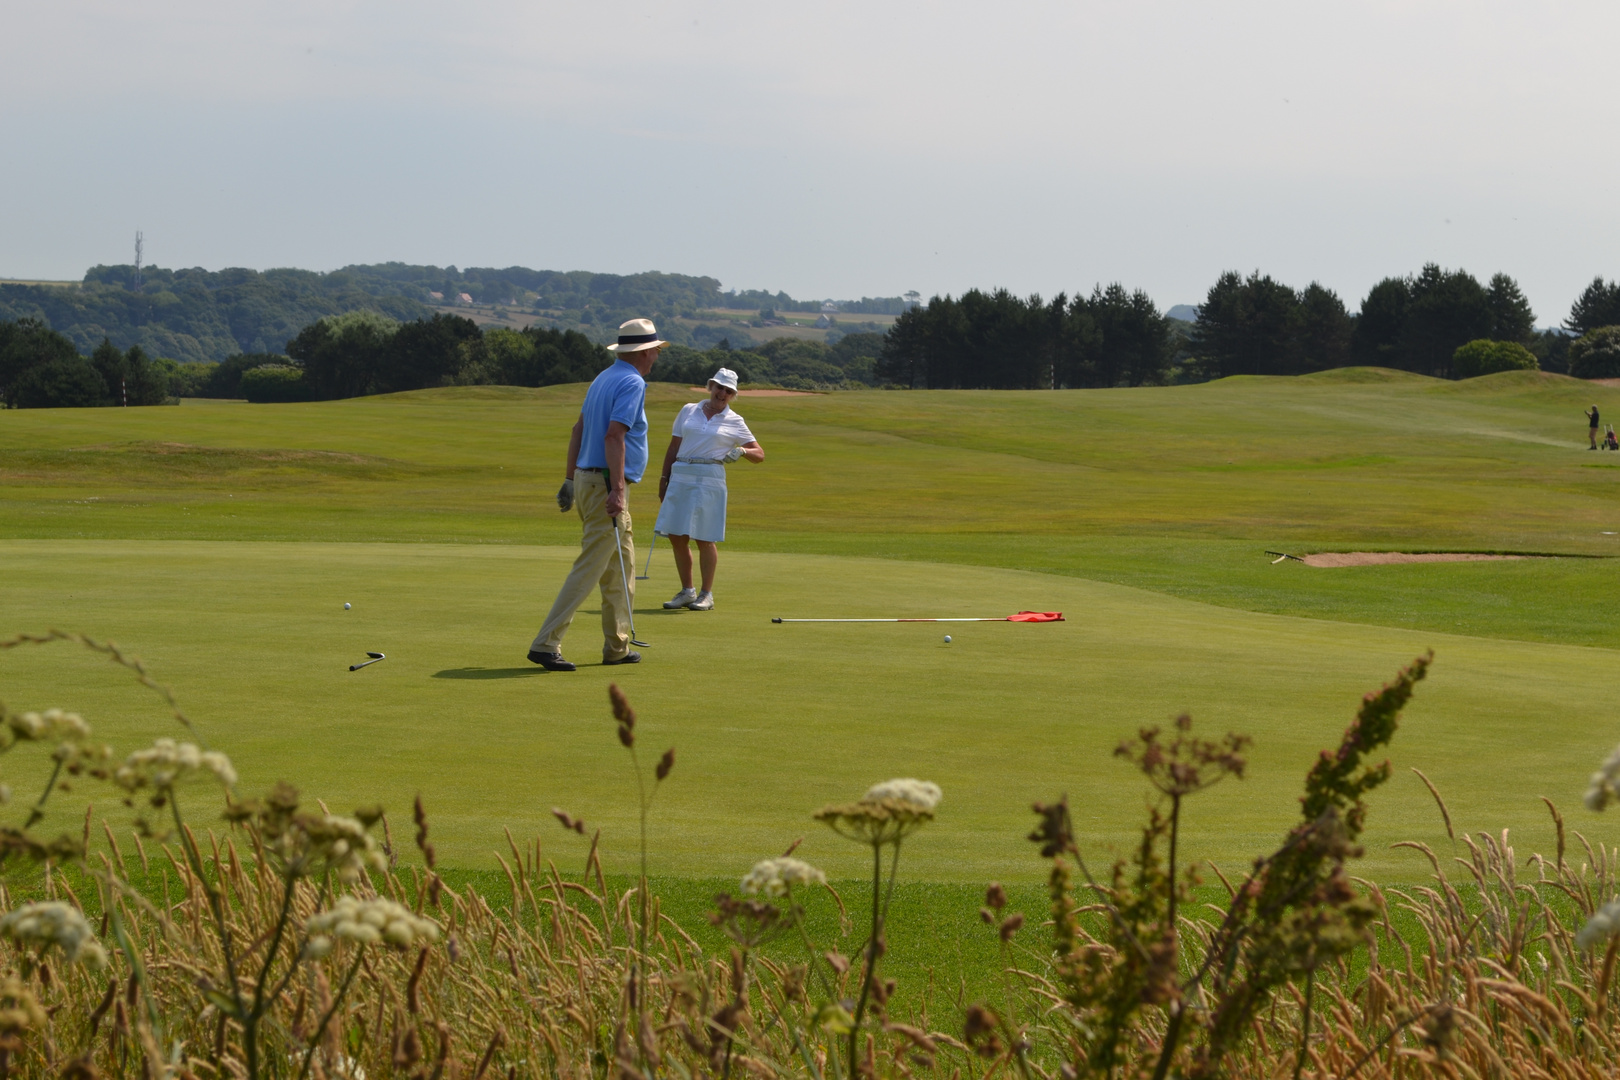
[(607, 451)]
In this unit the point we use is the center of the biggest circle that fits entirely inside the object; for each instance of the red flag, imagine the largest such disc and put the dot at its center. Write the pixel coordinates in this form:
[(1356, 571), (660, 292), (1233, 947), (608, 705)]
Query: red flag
[(1036, 616)]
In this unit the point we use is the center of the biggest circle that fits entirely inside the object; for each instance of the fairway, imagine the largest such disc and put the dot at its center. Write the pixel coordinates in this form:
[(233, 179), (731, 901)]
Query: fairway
[(219, 542)]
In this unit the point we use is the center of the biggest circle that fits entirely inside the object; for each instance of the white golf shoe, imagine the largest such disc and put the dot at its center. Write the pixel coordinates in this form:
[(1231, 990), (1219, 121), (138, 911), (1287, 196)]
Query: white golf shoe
[(704, 602), (682, 599)]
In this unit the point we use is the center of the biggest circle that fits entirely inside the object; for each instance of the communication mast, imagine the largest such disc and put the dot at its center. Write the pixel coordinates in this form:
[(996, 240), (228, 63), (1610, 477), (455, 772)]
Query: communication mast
[(139, 241)]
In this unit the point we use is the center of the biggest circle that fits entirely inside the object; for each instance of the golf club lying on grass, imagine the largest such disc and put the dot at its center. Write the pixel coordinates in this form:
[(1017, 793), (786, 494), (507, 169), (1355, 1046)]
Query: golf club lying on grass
[(375, 656), (629, 606), (1281, 555), (1022, 616)]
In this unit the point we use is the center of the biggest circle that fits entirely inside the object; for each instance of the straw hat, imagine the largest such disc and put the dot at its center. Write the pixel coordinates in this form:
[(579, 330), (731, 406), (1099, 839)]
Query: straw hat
[(725, 377), (636, 335)]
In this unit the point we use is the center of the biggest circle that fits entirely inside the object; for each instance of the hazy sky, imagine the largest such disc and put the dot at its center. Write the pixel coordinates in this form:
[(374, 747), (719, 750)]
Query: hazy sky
[(831, 149)]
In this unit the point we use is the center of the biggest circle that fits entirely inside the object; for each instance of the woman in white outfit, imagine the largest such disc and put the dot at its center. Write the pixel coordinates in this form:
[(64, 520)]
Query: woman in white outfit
[(692, 484)]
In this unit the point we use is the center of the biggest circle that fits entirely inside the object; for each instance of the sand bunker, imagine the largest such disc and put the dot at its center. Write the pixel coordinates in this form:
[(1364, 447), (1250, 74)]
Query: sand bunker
[(1383, 558)]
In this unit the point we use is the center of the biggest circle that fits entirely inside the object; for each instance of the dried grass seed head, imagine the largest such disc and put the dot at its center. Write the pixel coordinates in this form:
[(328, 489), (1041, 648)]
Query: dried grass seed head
[(52, 923)]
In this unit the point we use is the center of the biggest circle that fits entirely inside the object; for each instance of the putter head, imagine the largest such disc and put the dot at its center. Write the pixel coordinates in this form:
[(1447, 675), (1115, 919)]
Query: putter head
[(375, 655), (639, 644)]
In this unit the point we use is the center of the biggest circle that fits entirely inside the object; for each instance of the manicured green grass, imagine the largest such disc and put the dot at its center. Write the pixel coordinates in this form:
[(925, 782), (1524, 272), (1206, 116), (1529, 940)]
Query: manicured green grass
[(772, 721), (1142, 514)]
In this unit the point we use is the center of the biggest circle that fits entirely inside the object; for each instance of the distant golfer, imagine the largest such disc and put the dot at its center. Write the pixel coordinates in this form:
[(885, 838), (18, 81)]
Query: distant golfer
[(606, 451), (692, 487), (1592, 421)]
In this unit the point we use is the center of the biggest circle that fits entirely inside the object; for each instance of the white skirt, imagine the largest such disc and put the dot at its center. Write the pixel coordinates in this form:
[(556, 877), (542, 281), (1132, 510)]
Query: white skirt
[(695, 503)]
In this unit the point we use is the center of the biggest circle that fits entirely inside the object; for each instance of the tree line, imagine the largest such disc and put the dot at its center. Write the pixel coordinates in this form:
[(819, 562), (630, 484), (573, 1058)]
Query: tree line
[(999, 341), (40, 368), (363, 352), (193, 315), (1435, 322), (1438, 322)]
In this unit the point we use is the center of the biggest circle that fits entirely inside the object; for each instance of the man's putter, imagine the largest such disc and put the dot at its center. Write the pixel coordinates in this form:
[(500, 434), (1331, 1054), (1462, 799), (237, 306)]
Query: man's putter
[(629, 606)]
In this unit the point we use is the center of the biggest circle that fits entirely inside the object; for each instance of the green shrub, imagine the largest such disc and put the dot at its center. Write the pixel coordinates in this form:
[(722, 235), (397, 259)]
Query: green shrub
[(275, 382), (69, 383), (1486, 357), (1596, 354)]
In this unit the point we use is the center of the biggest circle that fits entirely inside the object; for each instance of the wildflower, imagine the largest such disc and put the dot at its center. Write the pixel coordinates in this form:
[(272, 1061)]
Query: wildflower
[(52, 725), (343, 844), (168, 762), (19, 1010), (774, 877), (1605, 786), (1604, 923), (834, 1019), (367, 922), (919, 793), (53, 922), (888, 812)]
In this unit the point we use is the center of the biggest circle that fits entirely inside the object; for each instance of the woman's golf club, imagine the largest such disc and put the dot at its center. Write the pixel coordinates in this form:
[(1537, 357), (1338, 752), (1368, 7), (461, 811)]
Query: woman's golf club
[(629, 605), (643, 575), (375, 656)]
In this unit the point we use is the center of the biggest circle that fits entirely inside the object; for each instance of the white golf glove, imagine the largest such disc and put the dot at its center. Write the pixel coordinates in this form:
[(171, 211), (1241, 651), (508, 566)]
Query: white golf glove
[(732, 455)]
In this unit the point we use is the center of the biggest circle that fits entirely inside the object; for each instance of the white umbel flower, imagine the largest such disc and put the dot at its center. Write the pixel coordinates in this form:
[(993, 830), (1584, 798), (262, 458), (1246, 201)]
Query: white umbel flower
[(1605, 786), (1604, 924), (52, 922), (168, 762), (919, 793), (367, 922), (774, 877)]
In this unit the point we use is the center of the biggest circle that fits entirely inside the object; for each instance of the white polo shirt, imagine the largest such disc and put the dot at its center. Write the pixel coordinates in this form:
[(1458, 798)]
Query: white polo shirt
[(706, 438)]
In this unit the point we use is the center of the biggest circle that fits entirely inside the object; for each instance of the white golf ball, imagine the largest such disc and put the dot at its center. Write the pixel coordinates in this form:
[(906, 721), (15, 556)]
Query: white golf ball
[(345, 607), (947, 639)]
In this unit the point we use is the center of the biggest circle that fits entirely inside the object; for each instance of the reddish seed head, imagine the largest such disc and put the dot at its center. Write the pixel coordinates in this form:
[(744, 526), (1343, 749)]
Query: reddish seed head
[(625, 738), (622, 712), (666, 763)]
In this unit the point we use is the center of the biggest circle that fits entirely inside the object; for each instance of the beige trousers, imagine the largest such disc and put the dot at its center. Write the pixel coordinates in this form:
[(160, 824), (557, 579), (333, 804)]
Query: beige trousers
[(597, 566)]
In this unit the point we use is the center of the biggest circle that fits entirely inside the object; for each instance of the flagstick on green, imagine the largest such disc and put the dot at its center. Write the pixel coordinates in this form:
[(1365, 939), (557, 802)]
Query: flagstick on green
[(1022, 616)]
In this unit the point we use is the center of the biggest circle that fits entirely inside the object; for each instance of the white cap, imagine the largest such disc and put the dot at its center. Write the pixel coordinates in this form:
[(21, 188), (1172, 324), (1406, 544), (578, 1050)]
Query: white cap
[(725, 377)]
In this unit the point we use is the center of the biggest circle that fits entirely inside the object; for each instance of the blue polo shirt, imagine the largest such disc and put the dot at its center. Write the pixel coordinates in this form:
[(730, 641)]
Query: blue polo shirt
[(619, 393)]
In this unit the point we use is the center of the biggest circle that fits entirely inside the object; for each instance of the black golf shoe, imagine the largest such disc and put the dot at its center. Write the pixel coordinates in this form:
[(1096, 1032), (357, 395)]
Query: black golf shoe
[(551, 661), (627, 658)]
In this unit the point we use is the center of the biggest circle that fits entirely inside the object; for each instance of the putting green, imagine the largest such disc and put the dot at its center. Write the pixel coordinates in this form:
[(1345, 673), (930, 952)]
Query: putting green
[(772, 721)]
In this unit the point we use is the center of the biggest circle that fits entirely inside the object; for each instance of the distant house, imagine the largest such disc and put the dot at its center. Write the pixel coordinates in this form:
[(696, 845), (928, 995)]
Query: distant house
[(824, 321), (828, 306), (464, 298), (436, 295)]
